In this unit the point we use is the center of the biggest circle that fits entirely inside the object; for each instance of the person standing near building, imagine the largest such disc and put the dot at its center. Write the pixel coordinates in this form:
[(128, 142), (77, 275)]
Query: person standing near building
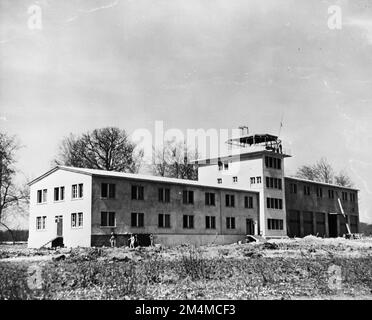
[(113, 240), (131, 241), (151, 240)]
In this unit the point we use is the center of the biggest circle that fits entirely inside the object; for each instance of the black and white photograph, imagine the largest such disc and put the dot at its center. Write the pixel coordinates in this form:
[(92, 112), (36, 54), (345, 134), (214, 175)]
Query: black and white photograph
[(200, 152)]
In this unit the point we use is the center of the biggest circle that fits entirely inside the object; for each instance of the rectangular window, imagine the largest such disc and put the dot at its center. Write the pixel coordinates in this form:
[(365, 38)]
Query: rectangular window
[(164, 220), (293, 188), (319, 192), (230, 200), (164, 195), (210, 222), (77, 191), (210, 199), (56, 194), (274, 203), (275, 163), (331, 194), (137, 219), (76, 220), (81, 190), (59, 193), (73, 220), (74, 191), (230, 223), (45, 195), (273, 183), (352, 197), (306, 190), (39, 196), (108, 190), (248, 202), (275, 224), (253, 180), (80, 219), (38, 223), (41, 223), (188, 197), (219, 180), (188, 221), (108, 219), (344, 196), (138, 192), (235, 179), (258, 179)]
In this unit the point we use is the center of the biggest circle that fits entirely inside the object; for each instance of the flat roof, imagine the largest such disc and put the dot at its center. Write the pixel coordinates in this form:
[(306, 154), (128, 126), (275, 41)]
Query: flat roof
[(322, 183), (254, 138), (238, 154), (134, 176)]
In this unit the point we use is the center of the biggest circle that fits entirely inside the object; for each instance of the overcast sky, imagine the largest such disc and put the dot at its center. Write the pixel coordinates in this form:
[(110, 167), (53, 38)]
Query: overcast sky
[(192, 64)]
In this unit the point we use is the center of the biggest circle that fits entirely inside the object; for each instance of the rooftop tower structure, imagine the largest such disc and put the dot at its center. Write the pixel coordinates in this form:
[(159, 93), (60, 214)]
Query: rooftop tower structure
[(255, 162)]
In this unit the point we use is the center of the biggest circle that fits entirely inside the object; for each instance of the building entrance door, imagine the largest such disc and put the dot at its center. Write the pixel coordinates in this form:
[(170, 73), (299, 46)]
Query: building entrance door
[(59, 221), (332, 225), (249, 227)]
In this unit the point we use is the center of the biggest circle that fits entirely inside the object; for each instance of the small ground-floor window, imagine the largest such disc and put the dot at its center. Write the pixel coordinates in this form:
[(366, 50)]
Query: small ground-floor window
[(41, 223), (230, 223), (188, 221), (76, 220), (210, 222), (164, 220)]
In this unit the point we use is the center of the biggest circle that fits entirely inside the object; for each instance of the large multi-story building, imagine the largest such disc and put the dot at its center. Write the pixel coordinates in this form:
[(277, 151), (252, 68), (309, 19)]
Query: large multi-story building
[(243, 192)]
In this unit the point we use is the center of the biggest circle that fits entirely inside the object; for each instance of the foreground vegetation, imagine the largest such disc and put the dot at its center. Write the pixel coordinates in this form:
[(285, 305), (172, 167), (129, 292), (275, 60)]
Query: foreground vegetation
[(278, 270)]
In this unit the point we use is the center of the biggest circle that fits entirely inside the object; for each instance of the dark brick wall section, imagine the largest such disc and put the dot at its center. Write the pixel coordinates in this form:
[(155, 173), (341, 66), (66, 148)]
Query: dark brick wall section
[(121, 240)]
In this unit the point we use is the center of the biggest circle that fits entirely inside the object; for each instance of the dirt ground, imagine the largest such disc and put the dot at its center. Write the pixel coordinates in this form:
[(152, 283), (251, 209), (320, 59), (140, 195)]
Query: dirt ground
[(307, 268)]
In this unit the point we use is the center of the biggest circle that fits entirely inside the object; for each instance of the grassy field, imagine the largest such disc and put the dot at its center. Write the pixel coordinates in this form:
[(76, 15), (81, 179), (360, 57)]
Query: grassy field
[(309, 268)]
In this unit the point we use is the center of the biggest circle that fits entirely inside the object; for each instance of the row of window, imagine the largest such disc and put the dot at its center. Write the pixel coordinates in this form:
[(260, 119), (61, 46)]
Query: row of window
[(275, 224), (255, 180), (108, 191), (271, 162), (187, 197), (223, 166), (319, 192), (274, 203), (164, 221), (59, 193), (273, 183), (76, 221), (138, 221)]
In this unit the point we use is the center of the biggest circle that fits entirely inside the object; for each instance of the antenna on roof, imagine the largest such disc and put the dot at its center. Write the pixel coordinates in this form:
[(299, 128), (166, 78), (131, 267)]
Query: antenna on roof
[(281, 124)]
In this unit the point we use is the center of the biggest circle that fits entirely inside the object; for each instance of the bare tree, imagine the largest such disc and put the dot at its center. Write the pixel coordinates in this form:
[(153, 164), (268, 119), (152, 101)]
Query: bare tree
[(322, 171), (307, 172), (173, 160), (342, 179), (105, 149), (10, 194)]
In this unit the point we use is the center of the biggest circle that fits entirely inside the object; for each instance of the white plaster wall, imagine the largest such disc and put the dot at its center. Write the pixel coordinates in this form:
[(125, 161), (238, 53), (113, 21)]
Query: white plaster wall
[(72, 237)]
